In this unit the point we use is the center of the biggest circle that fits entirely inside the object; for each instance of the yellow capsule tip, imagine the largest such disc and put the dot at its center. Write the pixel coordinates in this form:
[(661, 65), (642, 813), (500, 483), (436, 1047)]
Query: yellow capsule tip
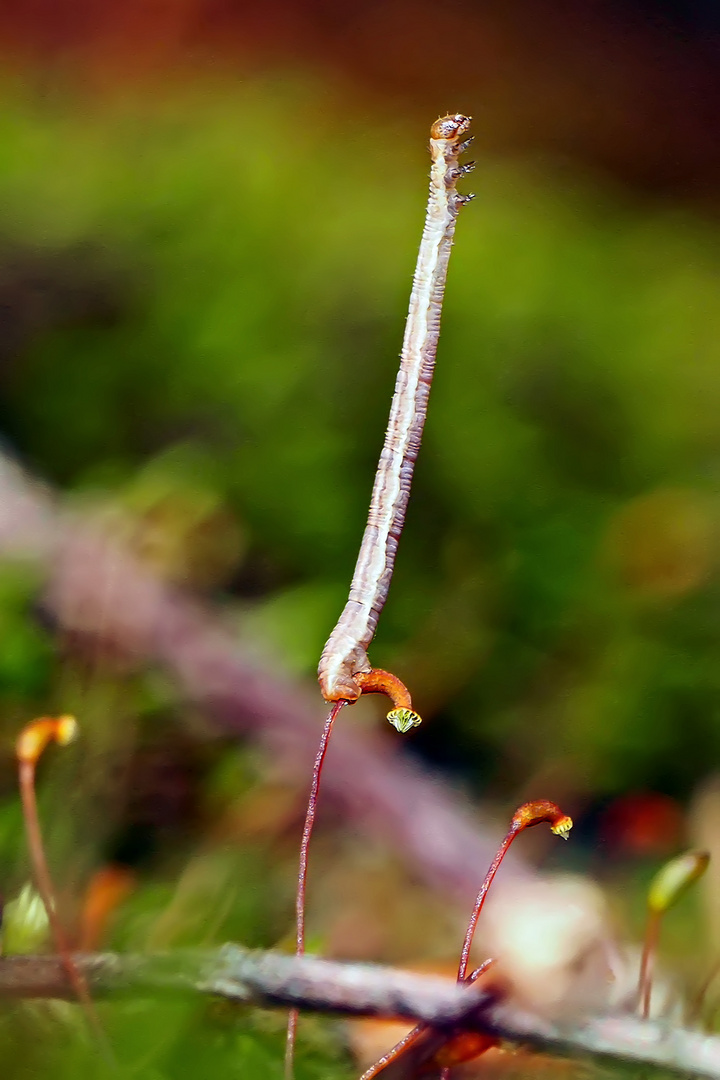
[(404, 719)]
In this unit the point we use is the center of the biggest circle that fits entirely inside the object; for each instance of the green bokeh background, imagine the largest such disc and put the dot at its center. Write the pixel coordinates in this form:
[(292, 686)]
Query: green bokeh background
[(203, 299)]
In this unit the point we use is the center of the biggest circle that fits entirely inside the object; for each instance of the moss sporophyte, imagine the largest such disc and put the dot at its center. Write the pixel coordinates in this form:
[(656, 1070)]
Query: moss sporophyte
[(345, 672), (462, 1046), (30, 744)]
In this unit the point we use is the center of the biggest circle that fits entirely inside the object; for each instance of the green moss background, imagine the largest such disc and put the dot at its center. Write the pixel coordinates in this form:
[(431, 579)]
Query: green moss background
[(202, 300)]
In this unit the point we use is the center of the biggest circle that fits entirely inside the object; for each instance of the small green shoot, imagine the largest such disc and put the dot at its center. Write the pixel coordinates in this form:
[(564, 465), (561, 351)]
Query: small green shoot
[(667, 887)]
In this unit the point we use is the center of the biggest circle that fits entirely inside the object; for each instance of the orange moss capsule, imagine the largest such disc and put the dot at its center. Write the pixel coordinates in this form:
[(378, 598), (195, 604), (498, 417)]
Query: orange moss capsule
[(376, 681), (534, 813), (36, 735)]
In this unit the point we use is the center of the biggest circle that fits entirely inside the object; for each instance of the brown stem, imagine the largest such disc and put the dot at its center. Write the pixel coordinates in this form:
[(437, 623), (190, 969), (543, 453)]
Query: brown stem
[(480, 900), (695, 1009), (652, 933), (26, 770), (392, 1055), (273, 980), (303, 870), (403, 718)]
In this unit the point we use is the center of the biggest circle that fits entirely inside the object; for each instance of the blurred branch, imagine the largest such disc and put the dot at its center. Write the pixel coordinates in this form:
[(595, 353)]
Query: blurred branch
[(264, 979), (275, 980), (100, 593)]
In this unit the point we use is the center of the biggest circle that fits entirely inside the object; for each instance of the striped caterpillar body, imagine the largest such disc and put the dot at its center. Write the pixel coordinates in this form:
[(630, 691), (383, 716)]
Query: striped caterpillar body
[(345, 653)]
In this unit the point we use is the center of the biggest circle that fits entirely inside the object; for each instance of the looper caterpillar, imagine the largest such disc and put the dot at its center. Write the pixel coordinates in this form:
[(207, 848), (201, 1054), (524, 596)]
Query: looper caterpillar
[(345, 654), (344, 671)]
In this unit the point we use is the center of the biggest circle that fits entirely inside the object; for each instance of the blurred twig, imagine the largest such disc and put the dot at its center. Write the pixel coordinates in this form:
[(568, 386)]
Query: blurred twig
[(270, 980), (99, 592)]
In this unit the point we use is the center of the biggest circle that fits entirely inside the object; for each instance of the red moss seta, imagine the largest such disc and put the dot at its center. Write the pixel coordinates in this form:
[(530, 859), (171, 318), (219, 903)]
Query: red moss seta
[(377, 681)]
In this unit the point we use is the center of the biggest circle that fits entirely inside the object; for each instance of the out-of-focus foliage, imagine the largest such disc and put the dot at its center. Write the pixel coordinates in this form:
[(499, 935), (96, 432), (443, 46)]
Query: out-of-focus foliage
[(202, 303), (25, 924), (164, 1039), (227, 275)]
